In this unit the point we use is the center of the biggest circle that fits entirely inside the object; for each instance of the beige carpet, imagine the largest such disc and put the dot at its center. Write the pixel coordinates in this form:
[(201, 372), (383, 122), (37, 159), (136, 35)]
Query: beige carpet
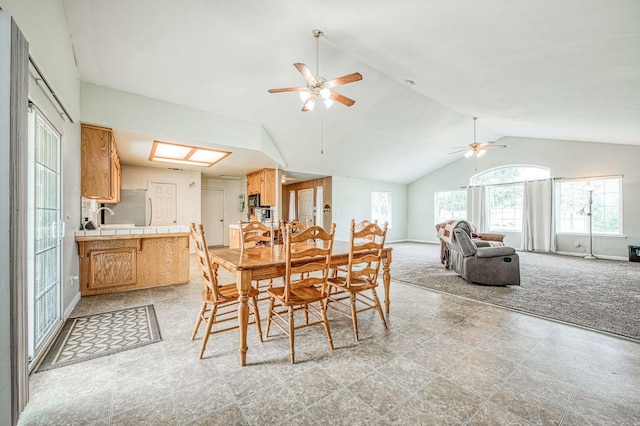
[(599, 294)]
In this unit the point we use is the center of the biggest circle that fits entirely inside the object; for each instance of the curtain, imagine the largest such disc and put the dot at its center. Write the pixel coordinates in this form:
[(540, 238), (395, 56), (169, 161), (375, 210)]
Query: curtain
[(292, 205), (319, 206), (476, 207), (537, 216)]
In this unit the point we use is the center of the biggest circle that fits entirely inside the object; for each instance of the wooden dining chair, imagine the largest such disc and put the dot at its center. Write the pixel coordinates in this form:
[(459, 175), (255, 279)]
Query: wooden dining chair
[(255, 234), (219, 302), (307, 259), (361, 274)]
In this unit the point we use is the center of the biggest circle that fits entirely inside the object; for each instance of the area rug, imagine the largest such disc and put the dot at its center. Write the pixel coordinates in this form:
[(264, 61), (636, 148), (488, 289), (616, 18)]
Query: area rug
[(599, 294), (94, 336)]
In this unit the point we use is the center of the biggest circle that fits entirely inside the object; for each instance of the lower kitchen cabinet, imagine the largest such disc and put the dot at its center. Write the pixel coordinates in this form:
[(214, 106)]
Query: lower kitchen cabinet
[(111, 264)]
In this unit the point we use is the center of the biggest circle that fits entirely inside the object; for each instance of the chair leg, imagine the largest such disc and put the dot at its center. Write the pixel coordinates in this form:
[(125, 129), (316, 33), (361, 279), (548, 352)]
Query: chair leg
[(207, 332), (379, 308), (271, 303), (199, 320), (354, 314), (256, 316), (291, 335), (306, 314), (325, 321)]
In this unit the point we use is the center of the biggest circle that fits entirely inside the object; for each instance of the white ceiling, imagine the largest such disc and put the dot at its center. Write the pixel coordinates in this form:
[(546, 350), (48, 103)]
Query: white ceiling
[(551, 69)]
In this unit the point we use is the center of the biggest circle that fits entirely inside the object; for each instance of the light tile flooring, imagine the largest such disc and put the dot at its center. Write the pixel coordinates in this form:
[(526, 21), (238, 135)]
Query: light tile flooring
[(444, 360)]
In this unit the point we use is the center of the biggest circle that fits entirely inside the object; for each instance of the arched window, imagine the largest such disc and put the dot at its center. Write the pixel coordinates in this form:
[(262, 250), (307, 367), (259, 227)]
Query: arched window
[(504, 192), (509, 174)]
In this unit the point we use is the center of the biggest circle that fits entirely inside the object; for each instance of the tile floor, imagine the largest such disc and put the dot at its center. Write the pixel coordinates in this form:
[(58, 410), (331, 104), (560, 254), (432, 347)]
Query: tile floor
[(444, 360)]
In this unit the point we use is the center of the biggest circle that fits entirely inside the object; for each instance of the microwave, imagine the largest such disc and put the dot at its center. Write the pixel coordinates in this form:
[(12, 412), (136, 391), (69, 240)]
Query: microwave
[(254, 200)]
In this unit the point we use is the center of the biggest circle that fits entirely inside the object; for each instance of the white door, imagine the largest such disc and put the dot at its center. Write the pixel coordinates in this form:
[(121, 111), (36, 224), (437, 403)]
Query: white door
[(213, 216), (163, 203), (46, 231), (305, 206)]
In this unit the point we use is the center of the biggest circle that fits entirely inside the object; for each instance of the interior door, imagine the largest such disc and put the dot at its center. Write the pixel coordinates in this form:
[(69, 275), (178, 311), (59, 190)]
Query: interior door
[(163, 203), (213, 216), (305, 206)]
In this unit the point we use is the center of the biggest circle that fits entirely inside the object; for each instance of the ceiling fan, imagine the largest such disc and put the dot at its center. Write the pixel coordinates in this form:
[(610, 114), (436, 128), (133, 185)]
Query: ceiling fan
[(476, 148), (320, 86)]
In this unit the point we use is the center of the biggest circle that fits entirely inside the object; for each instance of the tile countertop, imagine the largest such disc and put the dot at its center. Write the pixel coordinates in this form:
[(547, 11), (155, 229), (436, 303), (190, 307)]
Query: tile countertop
[(135, 230)]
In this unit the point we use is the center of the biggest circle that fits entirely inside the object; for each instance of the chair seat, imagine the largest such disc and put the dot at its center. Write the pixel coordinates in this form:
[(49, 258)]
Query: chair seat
[(229, 293), (356, 285), (298, 296)]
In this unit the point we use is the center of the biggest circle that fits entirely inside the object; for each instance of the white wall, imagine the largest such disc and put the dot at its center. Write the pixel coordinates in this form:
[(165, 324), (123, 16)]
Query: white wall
[(351, 199), (565, 159)]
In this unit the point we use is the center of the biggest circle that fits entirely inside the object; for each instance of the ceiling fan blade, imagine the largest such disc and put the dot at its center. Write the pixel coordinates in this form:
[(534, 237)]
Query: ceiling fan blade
[(460, 150), (309, 103), (288, 89), (341, 98), (305, 72), (495, 146), (345, 79)]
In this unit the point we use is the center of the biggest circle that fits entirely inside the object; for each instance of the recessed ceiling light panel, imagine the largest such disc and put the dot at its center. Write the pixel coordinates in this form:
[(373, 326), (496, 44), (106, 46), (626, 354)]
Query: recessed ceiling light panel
[(166, 152)]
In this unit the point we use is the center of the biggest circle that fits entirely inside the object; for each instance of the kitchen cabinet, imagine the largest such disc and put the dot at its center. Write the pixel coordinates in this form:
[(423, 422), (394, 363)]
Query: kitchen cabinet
[(263, 182), (100, 164), (116, 263)]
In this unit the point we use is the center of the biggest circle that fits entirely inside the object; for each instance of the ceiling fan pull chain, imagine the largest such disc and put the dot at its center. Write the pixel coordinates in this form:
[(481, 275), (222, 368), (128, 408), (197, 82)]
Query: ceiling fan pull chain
[(321, 131)]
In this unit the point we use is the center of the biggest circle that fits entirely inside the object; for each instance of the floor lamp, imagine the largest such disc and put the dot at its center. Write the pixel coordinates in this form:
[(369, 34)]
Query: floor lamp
[(590, 190)]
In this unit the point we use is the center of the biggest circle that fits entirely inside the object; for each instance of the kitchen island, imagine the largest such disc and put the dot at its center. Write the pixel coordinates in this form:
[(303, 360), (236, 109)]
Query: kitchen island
[(117, 259)]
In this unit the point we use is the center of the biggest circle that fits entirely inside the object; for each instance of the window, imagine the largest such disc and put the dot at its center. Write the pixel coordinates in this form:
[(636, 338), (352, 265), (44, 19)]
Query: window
[(505, 207), (450, 205), (509, 174), (505, 193), (381, 207), (572, 206)]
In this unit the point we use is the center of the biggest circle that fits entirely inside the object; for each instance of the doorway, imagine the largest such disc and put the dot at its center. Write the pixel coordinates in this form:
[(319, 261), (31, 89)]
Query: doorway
[(213, 215), (305, 206), (163, 203)]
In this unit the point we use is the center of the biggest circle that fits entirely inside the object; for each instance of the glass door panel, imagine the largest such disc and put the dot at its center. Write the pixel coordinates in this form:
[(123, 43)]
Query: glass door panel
[(45, 295)]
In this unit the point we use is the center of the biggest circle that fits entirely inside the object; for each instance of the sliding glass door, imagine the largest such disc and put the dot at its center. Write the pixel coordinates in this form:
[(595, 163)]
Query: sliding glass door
[(45, 232)]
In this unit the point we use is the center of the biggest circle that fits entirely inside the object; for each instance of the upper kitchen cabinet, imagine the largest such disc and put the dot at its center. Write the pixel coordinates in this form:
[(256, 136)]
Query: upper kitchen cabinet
[(100, 165), (263, 182)]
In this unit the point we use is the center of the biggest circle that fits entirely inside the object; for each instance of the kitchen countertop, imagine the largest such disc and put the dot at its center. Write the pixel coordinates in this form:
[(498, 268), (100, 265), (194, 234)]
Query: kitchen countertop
[(133, 230)]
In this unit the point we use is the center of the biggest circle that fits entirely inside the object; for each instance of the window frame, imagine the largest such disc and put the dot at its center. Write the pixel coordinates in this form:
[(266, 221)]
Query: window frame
[(378, 214), (583, 206), (436, 204)]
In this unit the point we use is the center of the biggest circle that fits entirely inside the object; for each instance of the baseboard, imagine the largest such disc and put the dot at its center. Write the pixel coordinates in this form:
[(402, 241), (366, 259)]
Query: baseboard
[(71, 307), (603, 256), (421, 241)]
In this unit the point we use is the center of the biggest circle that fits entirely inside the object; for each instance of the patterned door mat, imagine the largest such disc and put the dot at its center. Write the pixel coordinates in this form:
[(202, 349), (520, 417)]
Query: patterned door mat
[(94, 336)]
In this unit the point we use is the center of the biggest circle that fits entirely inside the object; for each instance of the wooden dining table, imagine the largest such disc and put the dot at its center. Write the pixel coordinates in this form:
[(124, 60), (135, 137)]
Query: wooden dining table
[(262, 263)]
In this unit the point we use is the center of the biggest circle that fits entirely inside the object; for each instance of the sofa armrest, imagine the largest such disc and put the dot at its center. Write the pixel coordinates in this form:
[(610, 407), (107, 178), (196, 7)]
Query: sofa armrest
[(495, 251), (491, 237), (467, 247)]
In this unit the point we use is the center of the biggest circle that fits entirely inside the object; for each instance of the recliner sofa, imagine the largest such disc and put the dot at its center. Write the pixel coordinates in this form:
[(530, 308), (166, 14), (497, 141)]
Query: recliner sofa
[(482, 265)]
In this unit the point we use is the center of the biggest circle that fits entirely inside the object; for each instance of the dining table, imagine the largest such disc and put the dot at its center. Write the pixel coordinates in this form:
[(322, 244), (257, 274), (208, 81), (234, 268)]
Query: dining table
[(263, 263)]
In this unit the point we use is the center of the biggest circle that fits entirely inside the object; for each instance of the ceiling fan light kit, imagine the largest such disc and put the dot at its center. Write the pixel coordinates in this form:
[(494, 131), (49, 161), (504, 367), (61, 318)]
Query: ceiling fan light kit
[(318, 86), (476, 148)]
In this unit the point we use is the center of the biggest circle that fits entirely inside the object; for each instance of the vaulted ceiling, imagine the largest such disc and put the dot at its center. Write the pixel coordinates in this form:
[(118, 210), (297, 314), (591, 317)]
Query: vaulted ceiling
[(549, 69)]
